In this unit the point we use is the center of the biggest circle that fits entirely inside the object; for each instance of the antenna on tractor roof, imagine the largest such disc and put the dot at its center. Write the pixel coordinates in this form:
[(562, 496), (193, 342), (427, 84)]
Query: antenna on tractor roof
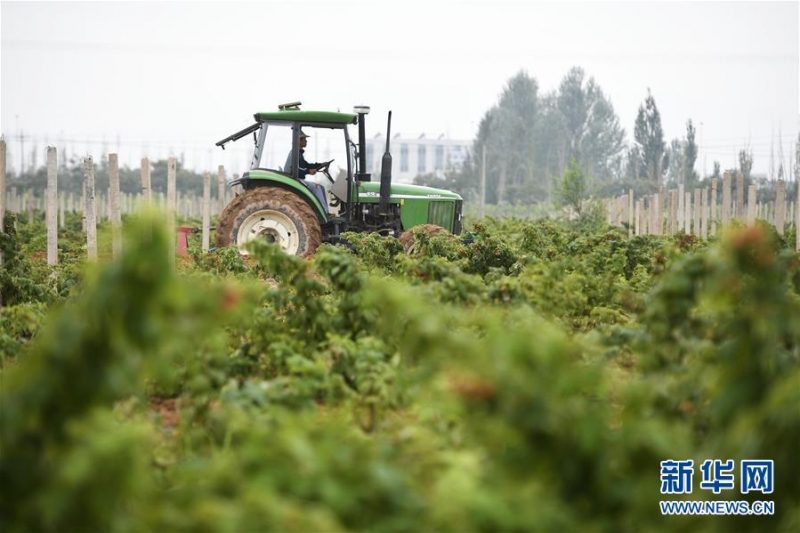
[(290, 105)]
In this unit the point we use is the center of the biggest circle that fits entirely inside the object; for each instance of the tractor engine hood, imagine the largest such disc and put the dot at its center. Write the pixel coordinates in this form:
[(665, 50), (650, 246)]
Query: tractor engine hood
[(370, 189)]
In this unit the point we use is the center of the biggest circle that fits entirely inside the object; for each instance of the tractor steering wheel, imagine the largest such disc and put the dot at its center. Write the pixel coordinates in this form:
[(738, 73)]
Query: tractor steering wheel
[(323, 167)]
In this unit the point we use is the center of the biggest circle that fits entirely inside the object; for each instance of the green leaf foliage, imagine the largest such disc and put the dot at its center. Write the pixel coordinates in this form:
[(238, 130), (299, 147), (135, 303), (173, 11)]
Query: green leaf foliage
[(532, 380)]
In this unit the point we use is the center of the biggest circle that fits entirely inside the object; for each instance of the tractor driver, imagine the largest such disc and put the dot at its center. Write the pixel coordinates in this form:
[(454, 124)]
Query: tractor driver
[(304, 167)]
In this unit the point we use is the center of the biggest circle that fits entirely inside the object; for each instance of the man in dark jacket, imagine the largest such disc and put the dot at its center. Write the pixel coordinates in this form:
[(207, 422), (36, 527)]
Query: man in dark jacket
[(305, 168)]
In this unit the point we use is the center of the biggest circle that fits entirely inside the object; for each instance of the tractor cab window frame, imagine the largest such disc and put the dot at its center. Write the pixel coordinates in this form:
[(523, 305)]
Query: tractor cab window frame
[(296, 127), (261, 159), (259, 150)]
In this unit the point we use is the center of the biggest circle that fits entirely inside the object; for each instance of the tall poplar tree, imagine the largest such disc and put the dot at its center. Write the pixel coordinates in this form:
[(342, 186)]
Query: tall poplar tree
[(593, 135), (649, 137)]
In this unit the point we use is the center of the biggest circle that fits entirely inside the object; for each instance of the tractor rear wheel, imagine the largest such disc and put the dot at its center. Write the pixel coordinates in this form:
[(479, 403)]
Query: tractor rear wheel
[(408, 240), (273, 214)]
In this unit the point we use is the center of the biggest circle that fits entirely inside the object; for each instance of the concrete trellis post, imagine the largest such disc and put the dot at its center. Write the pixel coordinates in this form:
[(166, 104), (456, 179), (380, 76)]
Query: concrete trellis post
[(697, 208), (671, 212), (676, 214), (638, 219), (751, 205), (89, 209), (687, 212), (147, 191), (681, 208), (657, 222), (172, 189), (739, 195), (52, 205), (780, 207), (630, 212), (116, 214), (726, 199), (221, 188), (206, 210), (713, 213), (704, 196)]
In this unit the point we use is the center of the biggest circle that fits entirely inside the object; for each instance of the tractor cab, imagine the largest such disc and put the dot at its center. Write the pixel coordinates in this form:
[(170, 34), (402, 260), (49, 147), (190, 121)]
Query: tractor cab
[(308, 183)]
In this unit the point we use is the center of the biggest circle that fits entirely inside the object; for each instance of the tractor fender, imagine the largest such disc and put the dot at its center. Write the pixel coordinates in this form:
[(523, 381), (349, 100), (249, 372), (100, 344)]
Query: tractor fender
[(259, 178)]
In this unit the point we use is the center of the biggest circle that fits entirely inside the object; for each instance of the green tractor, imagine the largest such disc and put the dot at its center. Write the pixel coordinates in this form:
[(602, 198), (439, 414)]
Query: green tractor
[(279, 205)]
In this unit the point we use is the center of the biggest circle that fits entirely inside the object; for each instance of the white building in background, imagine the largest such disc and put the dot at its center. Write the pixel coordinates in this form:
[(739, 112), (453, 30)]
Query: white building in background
[(414, 156)]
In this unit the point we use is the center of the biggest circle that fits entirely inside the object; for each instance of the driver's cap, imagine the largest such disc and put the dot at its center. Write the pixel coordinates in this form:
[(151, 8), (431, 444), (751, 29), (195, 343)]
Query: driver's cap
[(303, 134)]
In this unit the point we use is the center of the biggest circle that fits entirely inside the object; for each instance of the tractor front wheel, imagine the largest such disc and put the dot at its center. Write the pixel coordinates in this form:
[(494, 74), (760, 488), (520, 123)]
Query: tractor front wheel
[(273, 214), (409, 241)]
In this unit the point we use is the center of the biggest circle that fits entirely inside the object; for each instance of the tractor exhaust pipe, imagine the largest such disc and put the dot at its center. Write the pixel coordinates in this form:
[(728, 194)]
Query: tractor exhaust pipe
[(386, 171), (362, 175)]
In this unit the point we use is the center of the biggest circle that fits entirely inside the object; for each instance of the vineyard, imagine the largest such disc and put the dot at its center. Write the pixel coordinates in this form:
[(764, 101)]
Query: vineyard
[(532, 380)]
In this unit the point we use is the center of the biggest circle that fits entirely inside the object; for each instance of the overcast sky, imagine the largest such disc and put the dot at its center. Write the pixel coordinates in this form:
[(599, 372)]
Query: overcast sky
[(162, 78)]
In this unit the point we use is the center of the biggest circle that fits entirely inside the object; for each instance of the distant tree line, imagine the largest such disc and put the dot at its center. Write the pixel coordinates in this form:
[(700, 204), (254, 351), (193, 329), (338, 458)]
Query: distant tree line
[(530, 140), (70, 178)]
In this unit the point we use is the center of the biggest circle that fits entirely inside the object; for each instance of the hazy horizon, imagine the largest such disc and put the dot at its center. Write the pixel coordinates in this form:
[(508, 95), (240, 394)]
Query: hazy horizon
[(162, 79)]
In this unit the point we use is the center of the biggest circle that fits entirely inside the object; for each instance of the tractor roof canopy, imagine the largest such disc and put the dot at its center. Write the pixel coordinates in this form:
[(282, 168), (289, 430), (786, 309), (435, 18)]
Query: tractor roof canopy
[(292, 115)]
